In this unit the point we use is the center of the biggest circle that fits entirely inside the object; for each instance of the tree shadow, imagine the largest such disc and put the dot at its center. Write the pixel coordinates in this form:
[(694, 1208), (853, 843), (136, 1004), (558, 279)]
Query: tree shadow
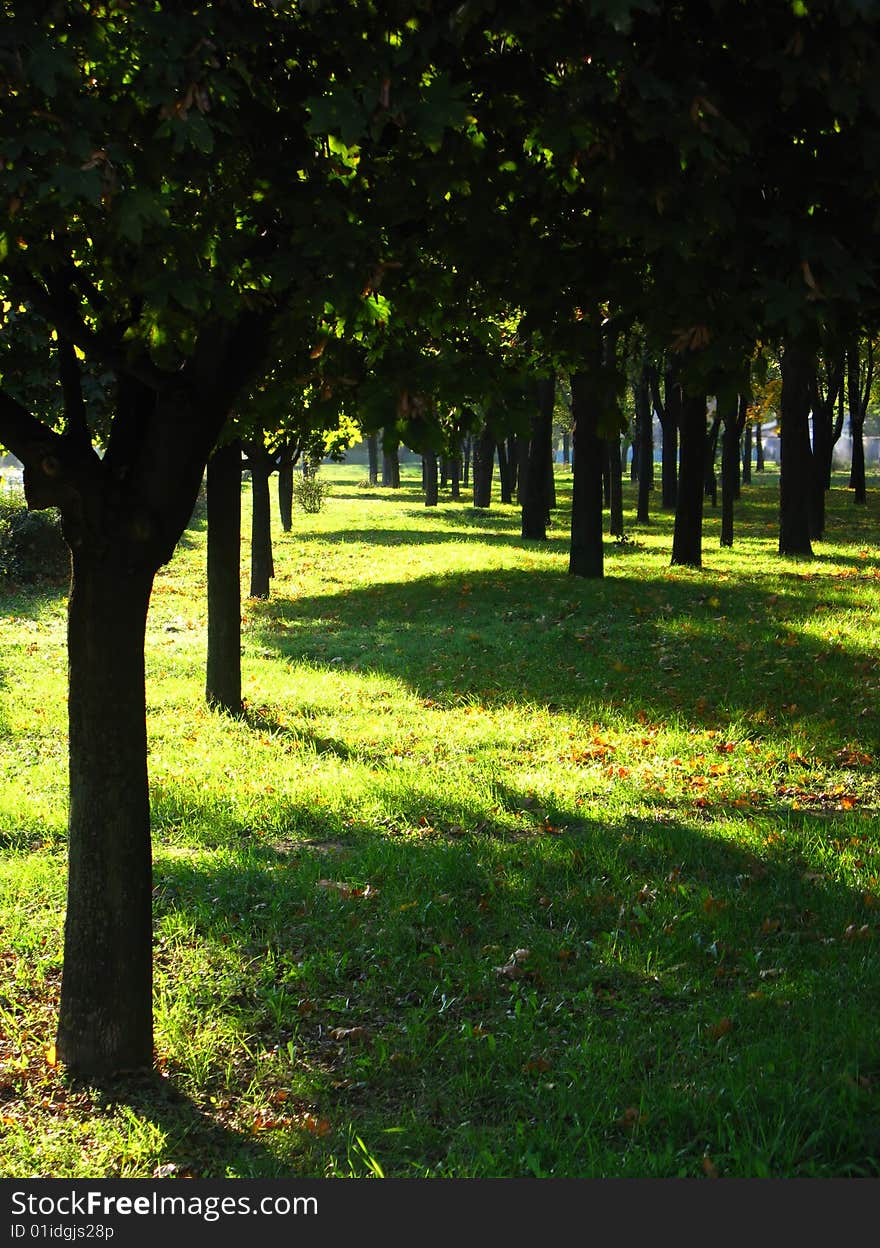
[(637, 643)]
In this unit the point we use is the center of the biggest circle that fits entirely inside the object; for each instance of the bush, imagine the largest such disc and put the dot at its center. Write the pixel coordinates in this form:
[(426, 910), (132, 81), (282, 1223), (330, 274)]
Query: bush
[(309, 493), (31, 543)]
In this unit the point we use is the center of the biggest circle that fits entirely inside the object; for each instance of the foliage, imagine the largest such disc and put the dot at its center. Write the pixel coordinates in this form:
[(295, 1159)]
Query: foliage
[(31, 544), (310, 492)]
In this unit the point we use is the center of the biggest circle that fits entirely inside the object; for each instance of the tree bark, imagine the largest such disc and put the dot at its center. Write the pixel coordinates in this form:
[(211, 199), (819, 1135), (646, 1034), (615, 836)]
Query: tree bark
[(645, 443), (390, 462), (687, 540), (285, 492), (223, 669), (373, 458), (615, 485), (504, 473), (429, 469), (759, 449), (536, 492), (668, 409), (795, 456), (747, 455), (586, 556), (730, 411), (262, 564), (484, 463), (105, 1020)]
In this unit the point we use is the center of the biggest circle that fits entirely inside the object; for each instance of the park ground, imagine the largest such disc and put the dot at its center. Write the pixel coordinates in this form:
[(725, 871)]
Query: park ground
[(502, 873)]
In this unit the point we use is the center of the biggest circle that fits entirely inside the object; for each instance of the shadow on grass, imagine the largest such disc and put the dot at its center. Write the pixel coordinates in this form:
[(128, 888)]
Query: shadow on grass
[(657, 647), (196, 1144), (642, 946)]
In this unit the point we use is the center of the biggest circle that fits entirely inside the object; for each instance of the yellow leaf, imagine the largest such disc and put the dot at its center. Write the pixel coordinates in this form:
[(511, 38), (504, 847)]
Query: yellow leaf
[(51, 1056)]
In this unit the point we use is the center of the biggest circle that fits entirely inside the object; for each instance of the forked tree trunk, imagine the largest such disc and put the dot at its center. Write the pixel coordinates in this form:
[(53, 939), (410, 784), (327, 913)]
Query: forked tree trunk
[(223, 669), (586, 553), (105, 1020), (504, 473), (795, 456), (687, 540)]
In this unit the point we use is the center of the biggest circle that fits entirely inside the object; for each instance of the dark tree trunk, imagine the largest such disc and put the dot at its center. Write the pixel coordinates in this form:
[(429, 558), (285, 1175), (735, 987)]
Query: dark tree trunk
[(285, 492), (606, 472), (444, 471), (484, 462), (373, 458), (826, 431), (711, 481), (522, 468), (455, 477), (466, 446), (615, 486), (505, 474), (105, 1020), (645, 443), (586, 553), (759, 448), (795, 457), (687, 541), (536, 499), (859, 382), (857, 468), (729, 465), (747, 455), (668, 410), (566, 448), (390, 462), (262, 565), (223, 672), (429, 470)]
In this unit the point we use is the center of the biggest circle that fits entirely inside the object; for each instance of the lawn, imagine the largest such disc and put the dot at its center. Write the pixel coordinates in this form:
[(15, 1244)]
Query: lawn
[(503, 873)]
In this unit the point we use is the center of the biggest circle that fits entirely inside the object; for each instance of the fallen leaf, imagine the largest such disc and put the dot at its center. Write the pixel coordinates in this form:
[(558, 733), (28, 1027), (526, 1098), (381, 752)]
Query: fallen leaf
[(350, 1035)]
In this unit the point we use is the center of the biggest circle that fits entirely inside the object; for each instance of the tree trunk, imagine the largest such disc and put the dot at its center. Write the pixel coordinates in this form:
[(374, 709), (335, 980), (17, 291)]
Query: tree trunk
[(285, 491), (522, 467), (645, 442), (615, 486), (747, 455), (759, 449), (729, 466), (223, 672), (484, 462), (262, 565), (455, 477), (687, 540), (105, 1020), (373, 458), (586, 553), (429, 470), (390, 462), (467, 444), (536, 492), (505, 474), (566, 448), (795, 457), (857, 468)]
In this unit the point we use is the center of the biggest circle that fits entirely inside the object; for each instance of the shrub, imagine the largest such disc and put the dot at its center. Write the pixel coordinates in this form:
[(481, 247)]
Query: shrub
[(31, 543), (310, 492)]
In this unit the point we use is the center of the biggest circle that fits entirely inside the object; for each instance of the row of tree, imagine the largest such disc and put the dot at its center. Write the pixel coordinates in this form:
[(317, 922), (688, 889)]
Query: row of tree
[(215, 216)]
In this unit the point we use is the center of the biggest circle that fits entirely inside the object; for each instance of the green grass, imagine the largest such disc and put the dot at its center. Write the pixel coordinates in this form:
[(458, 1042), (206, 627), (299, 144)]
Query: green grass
[(504, 873)]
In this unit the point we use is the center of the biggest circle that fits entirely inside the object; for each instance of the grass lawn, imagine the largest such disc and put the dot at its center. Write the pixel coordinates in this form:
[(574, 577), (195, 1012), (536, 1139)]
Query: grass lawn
[(504, 873)]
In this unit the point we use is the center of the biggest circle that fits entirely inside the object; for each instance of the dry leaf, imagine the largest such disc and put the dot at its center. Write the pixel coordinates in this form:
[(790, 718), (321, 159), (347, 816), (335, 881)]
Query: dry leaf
[(351, 1035)]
